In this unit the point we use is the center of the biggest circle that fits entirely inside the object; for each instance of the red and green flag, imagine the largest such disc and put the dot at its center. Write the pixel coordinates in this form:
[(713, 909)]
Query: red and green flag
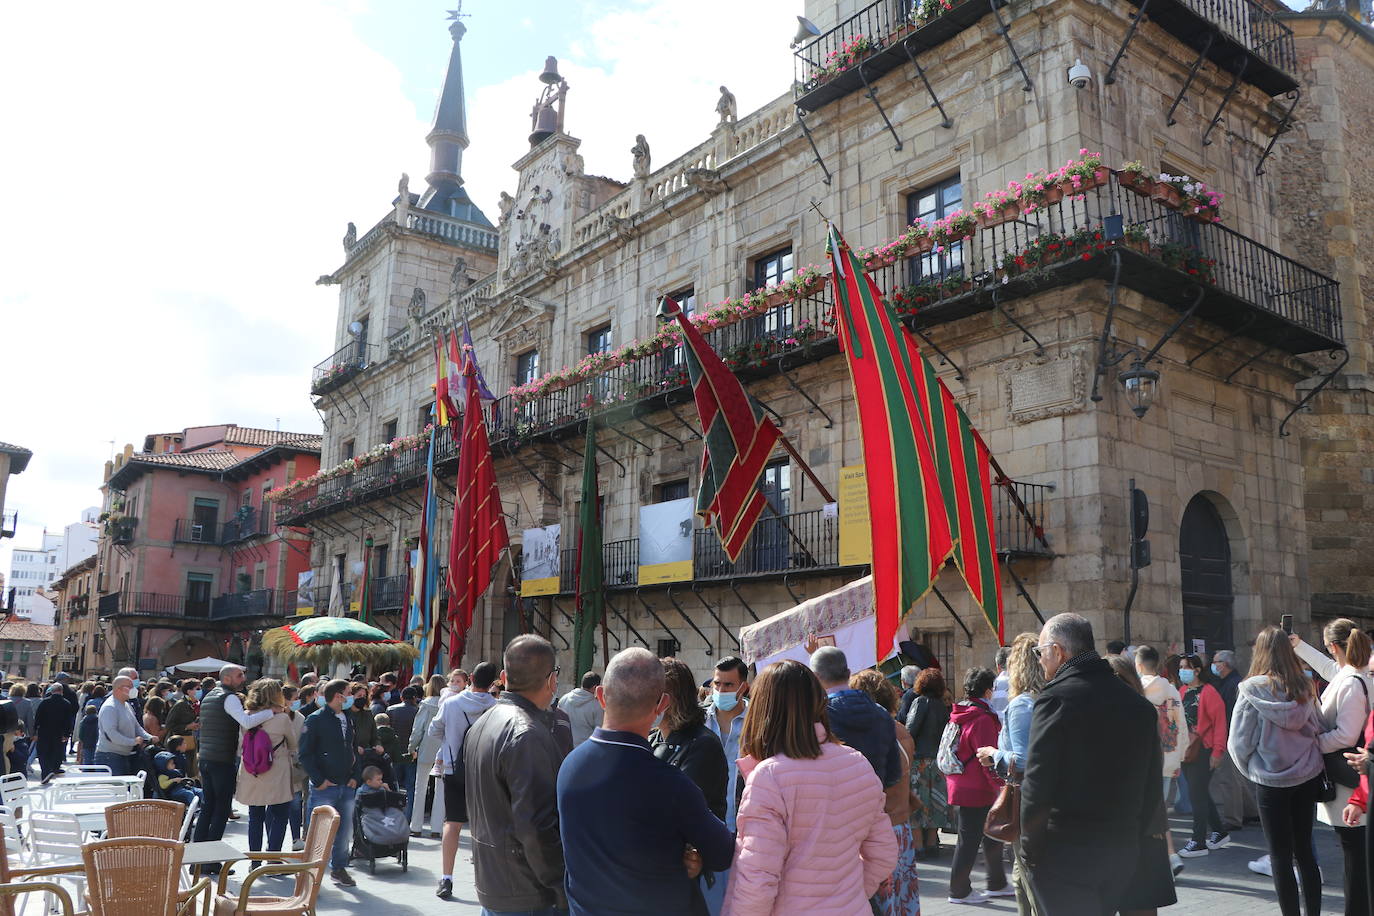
[(479, 525), (739, 439), (591, 574), (911, 530)]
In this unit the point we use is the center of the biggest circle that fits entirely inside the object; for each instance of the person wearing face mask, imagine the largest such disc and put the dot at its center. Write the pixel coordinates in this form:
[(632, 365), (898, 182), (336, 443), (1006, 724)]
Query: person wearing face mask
[(1205, 712), (332, 766), (725, 714), (182, 719), (584, 712)]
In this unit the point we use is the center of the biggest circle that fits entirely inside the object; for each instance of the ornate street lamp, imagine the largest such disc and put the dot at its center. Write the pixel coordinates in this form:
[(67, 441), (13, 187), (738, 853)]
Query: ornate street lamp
[(1141, 384)]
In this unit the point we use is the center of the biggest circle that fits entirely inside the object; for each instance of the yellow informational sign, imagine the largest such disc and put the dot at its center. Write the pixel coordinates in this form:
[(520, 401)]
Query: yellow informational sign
[(856, 537), (665, 541), (530, 588), (541, 555), (305, 593)]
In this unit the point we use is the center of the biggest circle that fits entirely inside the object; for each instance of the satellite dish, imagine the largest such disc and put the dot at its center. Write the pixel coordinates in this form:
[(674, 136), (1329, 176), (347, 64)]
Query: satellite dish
[(355, 328)]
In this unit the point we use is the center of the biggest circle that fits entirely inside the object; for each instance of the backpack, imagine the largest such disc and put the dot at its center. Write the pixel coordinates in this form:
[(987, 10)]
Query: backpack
[(1168, 728), (947, 757), (257, 751)]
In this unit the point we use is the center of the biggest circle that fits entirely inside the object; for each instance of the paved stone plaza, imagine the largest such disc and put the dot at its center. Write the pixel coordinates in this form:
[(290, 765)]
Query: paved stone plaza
[(1219, 884)]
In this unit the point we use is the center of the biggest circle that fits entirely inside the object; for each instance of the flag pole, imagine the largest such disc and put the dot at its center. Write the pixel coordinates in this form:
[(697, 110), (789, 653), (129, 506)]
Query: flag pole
[(806, 468)]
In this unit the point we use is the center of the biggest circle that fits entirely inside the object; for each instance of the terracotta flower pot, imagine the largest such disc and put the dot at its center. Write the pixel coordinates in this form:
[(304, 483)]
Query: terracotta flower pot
[(1054, 195), (1011, 210), (1167, 194), (1137, 182), (923, 245)]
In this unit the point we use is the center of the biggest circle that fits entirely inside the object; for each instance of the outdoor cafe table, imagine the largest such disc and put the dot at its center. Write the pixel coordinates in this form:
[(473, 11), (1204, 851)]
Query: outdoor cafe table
[(90, 815), (209, 852), (96, 779)]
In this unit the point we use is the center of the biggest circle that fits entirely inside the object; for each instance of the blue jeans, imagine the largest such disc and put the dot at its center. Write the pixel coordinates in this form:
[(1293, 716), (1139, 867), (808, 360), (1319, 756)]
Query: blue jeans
[(274, 817), (118, 763), (340, 798), (218, 781), (405, 781), (293, 816)]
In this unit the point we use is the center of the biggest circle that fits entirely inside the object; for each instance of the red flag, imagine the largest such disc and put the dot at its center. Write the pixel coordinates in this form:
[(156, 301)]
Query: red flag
[(739, 440), (479, 526)]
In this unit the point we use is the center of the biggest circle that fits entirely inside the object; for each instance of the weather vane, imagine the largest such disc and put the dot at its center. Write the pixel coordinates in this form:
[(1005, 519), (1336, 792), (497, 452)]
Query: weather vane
[(455, 15)]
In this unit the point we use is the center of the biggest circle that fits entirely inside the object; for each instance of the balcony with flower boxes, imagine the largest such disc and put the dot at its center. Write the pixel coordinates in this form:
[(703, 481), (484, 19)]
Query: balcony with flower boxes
[(879, 38), (341, 367)]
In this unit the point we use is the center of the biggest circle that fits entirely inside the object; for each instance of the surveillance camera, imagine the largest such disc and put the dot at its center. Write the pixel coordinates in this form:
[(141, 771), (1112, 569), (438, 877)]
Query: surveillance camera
[(1079, 75)]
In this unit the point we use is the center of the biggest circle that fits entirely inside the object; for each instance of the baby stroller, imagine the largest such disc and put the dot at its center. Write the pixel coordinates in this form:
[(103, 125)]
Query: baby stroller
[(381, 828)]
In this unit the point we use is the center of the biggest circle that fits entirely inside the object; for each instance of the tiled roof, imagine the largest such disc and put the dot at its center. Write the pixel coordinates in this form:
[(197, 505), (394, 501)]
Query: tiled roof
[(19, 454), (25, 630), (208, 459), (247, 435)]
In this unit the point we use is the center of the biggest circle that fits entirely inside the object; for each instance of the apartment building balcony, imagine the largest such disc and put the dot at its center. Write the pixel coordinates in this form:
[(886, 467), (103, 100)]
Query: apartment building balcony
[(79, 606), (1241, 37), (196, 531), (120, 529), (245, 524), (389, 594), (341, 367), (152, 604), (262, 602), (9, 523)]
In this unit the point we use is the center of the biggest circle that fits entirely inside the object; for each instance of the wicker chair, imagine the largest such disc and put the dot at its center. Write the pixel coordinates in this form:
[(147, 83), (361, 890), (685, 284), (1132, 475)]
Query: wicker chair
[(138, 875), (16, 881), (309, 869), (145, 817)]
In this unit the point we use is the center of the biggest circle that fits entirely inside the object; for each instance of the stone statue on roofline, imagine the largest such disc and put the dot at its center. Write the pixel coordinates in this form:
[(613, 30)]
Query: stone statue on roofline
[(727, 107), (350, 237), (640, 152)]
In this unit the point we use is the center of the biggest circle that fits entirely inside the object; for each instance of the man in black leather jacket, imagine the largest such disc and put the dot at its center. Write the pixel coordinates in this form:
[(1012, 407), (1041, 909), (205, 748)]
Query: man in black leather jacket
[(512, 756)]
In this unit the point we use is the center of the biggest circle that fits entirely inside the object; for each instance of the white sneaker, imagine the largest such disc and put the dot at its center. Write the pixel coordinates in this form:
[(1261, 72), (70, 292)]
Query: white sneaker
[(975, 896), (1261, 866), (1176, 864), (1193, 849), (1007, 891), (298, 846)]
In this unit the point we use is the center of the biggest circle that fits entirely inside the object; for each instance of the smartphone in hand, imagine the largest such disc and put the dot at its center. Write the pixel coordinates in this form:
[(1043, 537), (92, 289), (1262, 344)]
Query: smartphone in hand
[(1286, 622)]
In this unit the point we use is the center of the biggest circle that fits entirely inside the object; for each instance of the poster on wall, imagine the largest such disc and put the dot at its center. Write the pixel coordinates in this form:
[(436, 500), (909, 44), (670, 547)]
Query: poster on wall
[(355, 602), (665, 541), (856, 535), (305, 593), (540, 553)]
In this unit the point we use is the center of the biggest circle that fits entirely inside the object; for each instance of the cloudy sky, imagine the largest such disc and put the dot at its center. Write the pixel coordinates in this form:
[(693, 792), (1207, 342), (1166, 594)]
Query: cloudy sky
[(178, 174)]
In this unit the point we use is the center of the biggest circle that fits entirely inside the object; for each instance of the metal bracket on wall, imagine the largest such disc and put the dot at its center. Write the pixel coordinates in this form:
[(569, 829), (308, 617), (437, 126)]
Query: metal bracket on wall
[(1285, 124), (566, 616), (657, 619), (1225, 100), (1026, 335), (1106, 353), (934, 100), (1241, 329), (945, 359), (696, 590), (734, 587), (624, 435), (1344, 358), (510, 452), (660, 430), (1192, 75), (968, 636), (801, 119), (629, 627), (672, 409), (782, 370), (1236, 371), (710, 646), (873, 97), (1009, 565), (1136, 20), (533, 605), (787, 584), (1005, 32)]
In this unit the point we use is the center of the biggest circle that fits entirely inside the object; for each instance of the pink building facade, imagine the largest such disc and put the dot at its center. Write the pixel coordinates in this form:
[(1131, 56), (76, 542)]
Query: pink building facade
[(190, 562)]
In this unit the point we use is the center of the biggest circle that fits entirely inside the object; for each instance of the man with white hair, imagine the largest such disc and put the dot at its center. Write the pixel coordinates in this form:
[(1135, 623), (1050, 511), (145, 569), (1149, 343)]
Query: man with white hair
[(121, 734), (854, 718), (221, 717), (909, 675), (618, 860)]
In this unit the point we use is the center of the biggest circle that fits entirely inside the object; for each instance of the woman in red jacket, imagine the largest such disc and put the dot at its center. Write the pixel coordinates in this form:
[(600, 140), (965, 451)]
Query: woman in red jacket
[(1206, 715), (974, 790)]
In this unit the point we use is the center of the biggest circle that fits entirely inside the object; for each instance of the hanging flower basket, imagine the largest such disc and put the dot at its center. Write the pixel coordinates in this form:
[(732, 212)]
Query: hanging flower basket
[(1201, 213), (1138, 182), (1054, 194), (1166, 194)]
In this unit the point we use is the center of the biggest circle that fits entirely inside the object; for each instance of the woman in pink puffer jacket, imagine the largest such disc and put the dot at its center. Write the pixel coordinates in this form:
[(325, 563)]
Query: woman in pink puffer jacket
[(810, 804)]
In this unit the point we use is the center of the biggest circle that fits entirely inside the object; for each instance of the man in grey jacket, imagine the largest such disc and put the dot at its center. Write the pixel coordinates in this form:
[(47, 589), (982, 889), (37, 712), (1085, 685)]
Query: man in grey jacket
[(450, 725), (121, 735), (584, 712)]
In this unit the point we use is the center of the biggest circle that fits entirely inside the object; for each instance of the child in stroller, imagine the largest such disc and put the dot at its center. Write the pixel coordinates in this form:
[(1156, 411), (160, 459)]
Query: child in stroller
[(169, 767), (380, 826)]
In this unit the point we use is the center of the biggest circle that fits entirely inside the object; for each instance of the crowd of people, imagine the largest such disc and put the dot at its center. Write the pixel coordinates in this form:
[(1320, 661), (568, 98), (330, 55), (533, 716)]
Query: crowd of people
[(804, 788)]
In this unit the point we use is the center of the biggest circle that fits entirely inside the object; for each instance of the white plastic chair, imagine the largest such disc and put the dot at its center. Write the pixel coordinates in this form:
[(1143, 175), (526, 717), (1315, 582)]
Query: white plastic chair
[(55, 838), (14, 838), (87, 794), (15, 792), (190, 818), (77, 769), (135, 789)]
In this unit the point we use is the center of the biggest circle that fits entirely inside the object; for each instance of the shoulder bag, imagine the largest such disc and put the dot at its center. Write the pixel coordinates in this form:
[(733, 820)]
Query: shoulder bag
[(1004, 817), (1337, 770)]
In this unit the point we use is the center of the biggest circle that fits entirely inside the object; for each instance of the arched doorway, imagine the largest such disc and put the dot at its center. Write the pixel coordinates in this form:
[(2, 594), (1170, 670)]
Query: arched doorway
[(1205, 560)]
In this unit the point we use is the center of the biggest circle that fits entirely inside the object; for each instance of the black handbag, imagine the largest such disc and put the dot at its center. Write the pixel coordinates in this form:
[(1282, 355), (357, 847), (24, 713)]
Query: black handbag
[(1338, 772)]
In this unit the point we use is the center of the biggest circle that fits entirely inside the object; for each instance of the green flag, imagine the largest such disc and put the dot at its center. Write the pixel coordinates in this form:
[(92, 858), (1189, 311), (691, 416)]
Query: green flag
[(591, 598)]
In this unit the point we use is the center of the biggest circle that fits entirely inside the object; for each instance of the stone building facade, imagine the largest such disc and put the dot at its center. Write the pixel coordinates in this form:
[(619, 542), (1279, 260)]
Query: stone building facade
[(1030, 322)]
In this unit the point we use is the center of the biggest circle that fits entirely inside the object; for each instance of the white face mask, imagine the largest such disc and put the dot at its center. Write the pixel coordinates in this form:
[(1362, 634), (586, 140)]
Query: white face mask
[(133, 693)]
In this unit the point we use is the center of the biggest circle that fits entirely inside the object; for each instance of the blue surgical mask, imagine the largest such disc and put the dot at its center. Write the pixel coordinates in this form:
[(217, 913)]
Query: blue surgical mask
[(348, 703), (195, 694), (319, 701), (1310, 675), (295, 704), (1215, 672), (1187, 675), (724, 701)]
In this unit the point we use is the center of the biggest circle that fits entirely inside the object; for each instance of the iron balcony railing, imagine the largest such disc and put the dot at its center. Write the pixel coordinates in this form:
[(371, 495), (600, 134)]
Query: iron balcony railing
[(9, 524), (192, 531), (1017, 535), (79, 606), (248, 522), (341, 366), (1243, 37), (152, 604), (388, 593), (261, 602)]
